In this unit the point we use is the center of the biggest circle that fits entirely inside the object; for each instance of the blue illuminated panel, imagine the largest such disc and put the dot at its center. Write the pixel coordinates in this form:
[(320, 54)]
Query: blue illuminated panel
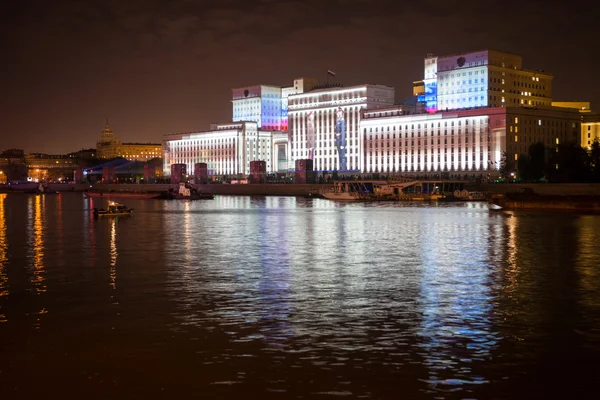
[(431, 96)]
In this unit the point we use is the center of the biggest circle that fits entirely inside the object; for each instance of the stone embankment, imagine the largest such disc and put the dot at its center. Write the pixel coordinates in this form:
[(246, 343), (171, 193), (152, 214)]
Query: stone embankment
[(568, 197), (571, 196)]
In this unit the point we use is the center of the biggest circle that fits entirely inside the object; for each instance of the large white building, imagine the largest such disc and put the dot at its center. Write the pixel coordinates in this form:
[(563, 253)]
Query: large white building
[(324, 121), (481, 106), (485, 78), (227, 149)]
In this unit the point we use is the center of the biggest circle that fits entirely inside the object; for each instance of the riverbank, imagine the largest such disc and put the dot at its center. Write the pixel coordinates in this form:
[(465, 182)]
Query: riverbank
[(215, 189), (571, 196), (528, 199), (560, 189)]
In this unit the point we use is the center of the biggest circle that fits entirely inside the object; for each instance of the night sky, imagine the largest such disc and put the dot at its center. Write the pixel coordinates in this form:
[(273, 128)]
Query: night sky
[(156, 67)]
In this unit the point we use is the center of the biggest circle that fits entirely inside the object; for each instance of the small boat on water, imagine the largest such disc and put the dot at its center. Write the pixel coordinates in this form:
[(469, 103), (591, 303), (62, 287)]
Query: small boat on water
[(121, 195), (186, 192), (113, 210)]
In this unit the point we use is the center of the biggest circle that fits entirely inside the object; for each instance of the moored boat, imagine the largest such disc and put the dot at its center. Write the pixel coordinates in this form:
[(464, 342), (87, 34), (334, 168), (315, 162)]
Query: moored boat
[(366, 190), (186, 192), (113, 209), (352, 190)]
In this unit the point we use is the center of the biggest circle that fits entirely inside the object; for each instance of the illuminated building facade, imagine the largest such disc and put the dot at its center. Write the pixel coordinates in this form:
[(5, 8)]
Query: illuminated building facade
[(486, 78), (324, 124), (109, 146), (429, 95), (465, 141), (227, 149), (419, 89), (590, 121), (301, 85), (260, 104), (280, 153), (468, 111), (590, 129), (267, 105)]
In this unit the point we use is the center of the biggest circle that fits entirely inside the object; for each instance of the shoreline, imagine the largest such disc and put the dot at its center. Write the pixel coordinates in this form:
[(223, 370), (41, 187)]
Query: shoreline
[(559, 197)]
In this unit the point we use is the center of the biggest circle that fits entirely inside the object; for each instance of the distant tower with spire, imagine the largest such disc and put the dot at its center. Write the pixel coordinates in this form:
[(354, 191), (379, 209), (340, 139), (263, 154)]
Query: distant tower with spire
[(108, 145)]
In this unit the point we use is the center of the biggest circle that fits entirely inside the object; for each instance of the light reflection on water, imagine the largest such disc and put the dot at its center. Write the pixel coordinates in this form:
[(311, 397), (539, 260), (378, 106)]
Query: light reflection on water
[(3, 255), (113, 253), (36, 243), (297, 297), (322, 289), (456, 285)]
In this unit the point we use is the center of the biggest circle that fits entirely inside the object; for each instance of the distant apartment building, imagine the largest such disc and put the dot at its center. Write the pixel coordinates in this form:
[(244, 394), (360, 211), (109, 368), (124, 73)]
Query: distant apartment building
[(590, 121), (49, 167), (590, 129), (12, 166), (485, 78), (84, 153), (109, 146)]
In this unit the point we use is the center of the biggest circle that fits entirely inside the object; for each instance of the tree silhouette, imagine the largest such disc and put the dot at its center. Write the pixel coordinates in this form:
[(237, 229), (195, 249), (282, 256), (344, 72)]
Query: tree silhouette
[(571, 164), (506, 166), (537, 161), (594, 157)]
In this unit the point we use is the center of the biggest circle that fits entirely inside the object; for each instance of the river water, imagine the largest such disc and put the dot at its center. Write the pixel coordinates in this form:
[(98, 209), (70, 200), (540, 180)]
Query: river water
[(286, 297)]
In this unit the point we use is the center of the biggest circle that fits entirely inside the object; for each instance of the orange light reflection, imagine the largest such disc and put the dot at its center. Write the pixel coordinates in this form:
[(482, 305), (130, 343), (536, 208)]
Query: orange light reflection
[(3, 255), (113, 254), (38, 247)]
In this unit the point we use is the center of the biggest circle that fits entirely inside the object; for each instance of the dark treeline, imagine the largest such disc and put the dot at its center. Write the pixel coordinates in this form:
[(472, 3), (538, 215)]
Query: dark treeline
[(571, 163)]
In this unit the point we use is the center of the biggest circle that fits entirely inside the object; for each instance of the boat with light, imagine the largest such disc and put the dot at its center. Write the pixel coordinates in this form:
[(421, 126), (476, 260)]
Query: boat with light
[(113, 209)]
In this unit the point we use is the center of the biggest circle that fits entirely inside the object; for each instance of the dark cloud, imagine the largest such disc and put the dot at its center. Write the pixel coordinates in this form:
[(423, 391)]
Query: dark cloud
[(156, 67)]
